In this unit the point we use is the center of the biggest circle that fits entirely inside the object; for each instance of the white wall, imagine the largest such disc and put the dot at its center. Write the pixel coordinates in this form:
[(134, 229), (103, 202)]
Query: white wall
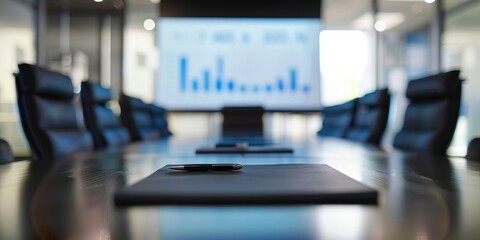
[(140, 53), (16, 45), (462, 51)]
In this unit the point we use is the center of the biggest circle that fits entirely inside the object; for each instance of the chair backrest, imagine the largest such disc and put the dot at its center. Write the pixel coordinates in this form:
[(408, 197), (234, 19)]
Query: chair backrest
[(338, 119), (371, 117), (431, 116), (242, 121), (6, 154), (160, 120), (49, 117), (105, 126), (136, 116), (473, 150)]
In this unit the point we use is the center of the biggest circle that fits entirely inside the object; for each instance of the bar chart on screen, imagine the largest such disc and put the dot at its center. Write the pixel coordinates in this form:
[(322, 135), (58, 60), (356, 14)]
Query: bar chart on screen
[(208, 63), (208, 83)]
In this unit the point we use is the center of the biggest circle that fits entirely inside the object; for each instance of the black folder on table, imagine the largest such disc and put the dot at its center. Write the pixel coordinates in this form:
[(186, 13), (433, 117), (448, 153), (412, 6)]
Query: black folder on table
[(242, 150), (253, 184)]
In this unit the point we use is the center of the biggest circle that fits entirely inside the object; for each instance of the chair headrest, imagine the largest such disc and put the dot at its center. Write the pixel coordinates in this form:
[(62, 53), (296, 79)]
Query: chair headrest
[(242, 110), (375, 99), (135, 103), (100, 94), (442, 85), (6, 154), (344, 107), (157, 109), (37, 80)]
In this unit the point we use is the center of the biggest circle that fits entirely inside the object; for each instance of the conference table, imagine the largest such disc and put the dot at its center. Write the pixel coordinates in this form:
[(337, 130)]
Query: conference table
[(420, 196)]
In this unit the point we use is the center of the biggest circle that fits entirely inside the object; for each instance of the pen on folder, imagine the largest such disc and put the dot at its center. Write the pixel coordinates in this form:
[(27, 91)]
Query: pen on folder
[(207, 167)]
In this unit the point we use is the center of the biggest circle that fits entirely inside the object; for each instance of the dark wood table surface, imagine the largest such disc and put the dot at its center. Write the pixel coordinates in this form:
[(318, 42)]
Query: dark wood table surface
[(421, 197)]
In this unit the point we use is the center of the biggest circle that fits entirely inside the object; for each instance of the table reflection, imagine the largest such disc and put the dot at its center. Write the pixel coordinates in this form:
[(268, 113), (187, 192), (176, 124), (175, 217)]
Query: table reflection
[(421, 197)]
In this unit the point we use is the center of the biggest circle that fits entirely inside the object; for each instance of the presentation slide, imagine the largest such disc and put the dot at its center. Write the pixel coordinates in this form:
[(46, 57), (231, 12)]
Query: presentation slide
[(208, 63)]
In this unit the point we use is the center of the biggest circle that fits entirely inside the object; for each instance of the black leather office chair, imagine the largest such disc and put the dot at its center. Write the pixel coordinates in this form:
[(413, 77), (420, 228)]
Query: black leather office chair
[(136, 116), (48, 114), (6, 154), (242, 122), (105, 126), (338, 119), (371, 117), (160, 120), (431, 116)]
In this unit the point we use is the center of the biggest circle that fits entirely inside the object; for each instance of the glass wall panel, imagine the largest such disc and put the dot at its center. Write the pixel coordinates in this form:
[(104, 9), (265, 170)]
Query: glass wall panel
[(83, 40), (345, 65), (16, 46), (347, 52), (450, 4), (140, 50), (461, 50), (406, 40)]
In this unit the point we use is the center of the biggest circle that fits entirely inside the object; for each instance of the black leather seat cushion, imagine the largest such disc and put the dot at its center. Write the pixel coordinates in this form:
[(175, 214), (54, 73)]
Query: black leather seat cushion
[(371, 117), (49, 116), (431, 116), (338, 119), (104, 125), (136, 115)]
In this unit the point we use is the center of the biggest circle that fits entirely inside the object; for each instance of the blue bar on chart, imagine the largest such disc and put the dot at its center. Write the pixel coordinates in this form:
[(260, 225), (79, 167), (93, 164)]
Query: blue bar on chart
[(243, 88), (306, 88), (280, 84), (231, 85), (293, 79), (268, 88), (218, 85), (195, 85), (206, 80), (183, 73)]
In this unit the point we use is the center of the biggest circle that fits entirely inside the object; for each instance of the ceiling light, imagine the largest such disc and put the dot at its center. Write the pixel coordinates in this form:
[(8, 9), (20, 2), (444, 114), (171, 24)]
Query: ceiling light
[(149, 24), (390, 19), (429, 1), (155, 1), (98, 0), (380, 26)]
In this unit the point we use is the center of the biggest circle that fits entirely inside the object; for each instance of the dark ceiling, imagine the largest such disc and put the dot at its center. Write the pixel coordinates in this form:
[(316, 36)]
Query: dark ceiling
[(241, 8), (198, 8), (85, 5)]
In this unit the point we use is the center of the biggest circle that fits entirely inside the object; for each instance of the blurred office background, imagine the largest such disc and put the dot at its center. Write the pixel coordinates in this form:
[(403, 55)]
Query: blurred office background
[(364, 45)]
